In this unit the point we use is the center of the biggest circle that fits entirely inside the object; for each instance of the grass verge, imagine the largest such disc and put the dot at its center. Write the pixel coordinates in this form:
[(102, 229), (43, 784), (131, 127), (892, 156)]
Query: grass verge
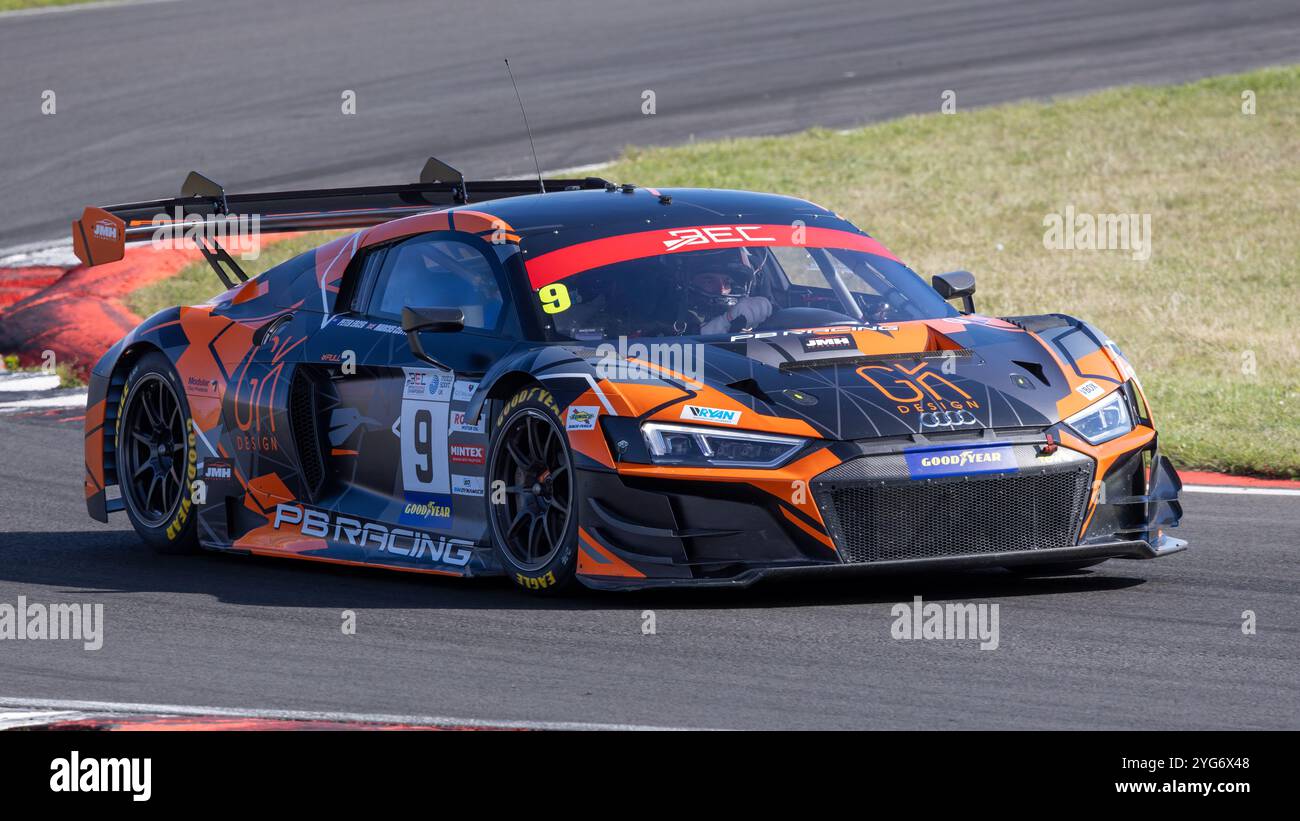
[(1208, 320), (15, 5)]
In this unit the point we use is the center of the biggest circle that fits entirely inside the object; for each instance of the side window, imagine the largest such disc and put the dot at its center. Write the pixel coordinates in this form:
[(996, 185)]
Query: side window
[(441, 273)]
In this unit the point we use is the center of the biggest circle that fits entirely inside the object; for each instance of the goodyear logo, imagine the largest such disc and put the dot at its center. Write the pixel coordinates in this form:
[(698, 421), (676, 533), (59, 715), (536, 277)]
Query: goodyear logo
[(925, 463)]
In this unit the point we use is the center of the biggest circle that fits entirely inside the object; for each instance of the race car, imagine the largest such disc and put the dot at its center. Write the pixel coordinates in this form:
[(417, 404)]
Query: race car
[(573, 381)]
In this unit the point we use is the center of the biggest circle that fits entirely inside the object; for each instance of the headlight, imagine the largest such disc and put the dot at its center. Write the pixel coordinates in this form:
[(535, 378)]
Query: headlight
[(693, 445), (1104, 420)]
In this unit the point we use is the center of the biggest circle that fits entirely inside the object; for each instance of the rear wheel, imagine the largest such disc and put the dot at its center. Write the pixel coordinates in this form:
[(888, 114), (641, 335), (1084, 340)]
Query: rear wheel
[(532, 501), (157, 456)]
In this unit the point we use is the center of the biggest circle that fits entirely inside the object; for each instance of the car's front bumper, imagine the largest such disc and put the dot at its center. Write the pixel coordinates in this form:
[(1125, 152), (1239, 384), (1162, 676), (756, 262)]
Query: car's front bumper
[(864, 511)]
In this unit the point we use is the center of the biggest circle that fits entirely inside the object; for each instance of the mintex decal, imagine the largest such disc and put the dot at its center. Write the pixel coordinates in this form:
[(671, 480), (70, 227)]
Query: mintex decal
[(467, 454), (425, 383), (432, 510), (696, 413), (581, 417), (1090, 390), (814, 344), (458, 424), (466, 485), (926, 463)]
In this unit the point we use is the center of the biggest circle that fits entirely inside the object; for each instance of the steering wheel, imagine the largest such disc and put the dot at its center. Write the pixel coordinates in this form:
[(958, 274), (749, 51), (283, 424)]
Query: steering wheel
[(786, 318)]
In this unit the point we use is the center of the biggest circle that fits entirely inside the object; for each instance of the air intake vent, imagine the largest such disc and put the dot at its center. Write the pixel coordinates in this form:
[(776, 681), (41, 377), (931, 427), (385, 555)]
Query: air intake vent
[(876, 514), (306, 434)]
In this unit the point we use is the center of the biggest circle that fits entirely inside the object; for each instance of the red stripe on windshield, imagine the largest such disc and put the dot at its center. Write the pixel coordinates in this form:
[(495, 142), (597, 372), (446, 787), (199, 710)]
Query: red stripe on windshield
[(565, 262)]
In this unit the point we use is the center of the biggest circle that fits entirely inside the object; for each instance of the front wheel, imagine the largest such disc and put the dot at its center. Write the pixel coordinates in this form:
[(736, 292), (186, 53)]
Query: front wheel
[(532, 499)]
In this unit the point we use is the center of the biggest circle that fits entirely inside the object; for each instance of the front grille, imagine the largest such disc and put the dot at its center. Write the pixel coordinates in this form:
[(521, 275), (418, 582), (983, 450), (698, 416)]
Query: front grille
[(876, 515)]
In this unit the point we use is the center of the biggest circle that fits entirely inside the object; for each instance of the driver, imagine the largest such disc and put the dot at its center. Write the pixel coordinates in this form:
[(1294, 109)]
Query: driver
[(718, 294)]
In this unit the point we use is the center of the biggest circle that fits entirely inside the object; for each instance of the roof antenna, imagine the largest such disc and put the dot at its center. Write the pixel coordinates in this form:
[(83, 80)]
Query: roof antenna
[(540, 183)]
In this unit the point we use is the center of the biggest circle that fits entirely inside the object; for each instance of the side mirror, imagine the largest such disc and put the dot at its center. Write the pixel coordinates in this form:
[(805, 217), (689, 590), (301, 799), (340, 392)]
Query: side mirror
[(433, 320), (956, 284)]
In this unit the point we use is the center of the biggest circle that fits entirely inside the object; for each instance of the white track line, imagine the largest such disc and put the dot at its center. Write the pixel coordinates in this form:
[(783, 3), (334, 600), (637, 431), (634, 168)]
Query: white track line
[(27, 381), (1253, 491), (299, 715), (12, 720), (70, 401)]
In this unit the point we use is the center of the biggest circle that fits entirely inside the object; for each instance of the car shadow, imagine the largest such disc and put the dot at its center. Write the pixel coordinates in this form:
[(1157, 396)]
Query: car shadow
[(115, 561)]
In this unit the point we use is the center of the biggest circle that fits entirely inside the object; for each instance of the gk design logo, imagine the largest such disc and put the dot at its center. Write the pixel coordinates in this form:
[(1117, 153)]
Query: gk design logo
[(916, 389)]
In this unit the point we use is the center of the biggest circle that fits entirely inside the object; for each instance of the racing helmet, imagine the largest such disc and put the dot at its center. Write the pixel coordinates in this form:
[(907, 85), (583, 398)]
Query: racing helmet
[(716, 280)]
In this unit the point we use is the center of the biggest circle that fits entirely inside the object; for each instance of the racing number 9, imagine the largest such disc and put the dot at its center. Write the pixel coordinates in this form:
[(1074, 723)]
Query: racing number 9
[(555, 298), (423, 441)]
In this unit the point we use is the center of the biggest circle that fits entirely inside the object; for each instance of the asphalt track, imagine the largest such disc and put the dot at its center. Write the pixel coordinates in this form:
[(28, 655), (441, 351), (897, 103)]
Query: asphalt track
[(1154, 644), (250, 92)]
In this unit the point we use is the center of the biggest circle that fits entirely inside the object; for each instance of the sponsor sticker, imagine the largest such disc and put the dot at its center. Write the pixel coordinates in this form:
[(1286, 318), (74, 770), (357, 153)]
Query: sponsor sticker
[(1090, 390), (463, 390), (468, 454), (458, 424), (215, 469), (698, 413), (581, 417), (197, 384), (105, 229), (426, 383), (814, 344), (466, 485), (926, 463), (713, 235), (376, 537), (432, 510)]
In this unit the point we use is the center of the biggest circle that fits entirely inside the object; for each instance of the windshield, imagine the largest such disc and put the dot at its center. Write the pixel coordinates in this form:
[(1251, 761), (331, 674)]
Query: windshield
[(734, 290)]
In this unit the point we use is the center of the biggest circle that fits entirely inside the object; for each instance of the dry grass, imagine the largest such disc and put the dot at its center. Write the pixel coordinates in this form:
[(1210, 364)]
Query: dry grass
[(971, 190)]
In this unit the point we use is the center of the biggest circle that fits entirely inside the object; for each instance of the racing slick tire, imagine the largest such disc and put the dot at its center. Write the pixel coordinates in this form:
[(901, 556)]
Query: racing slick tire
[(532, 490), (157, 456)]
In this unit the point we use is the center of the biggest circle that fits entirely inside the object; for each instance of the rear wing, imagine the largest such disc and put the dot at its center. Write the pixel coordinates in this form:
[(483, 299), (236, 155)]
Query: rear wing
[(101, 235)]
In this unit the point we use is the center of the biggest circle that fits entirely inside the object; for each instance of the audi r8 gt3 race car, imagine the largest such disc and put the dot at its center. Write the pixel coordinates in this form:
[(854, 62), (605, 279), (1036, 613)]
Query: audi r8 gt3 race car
[(619, 386)]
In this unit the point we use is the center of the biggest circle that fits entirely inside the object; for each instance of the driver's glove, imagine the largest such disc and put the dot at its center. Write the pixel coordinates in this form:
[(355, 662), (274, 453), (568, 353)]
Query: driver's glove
[(750, 310)]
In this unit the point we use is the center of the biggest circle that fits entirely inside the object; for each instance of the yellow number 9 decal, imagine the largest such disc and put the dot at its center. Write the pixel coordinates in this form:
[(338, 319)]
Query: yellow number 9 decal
[(555, 298)]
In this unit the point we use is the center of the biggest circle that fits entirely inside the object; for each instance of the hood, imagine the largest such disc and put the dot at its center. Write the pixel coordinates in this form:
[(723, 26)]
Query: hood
[(857, 382)]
